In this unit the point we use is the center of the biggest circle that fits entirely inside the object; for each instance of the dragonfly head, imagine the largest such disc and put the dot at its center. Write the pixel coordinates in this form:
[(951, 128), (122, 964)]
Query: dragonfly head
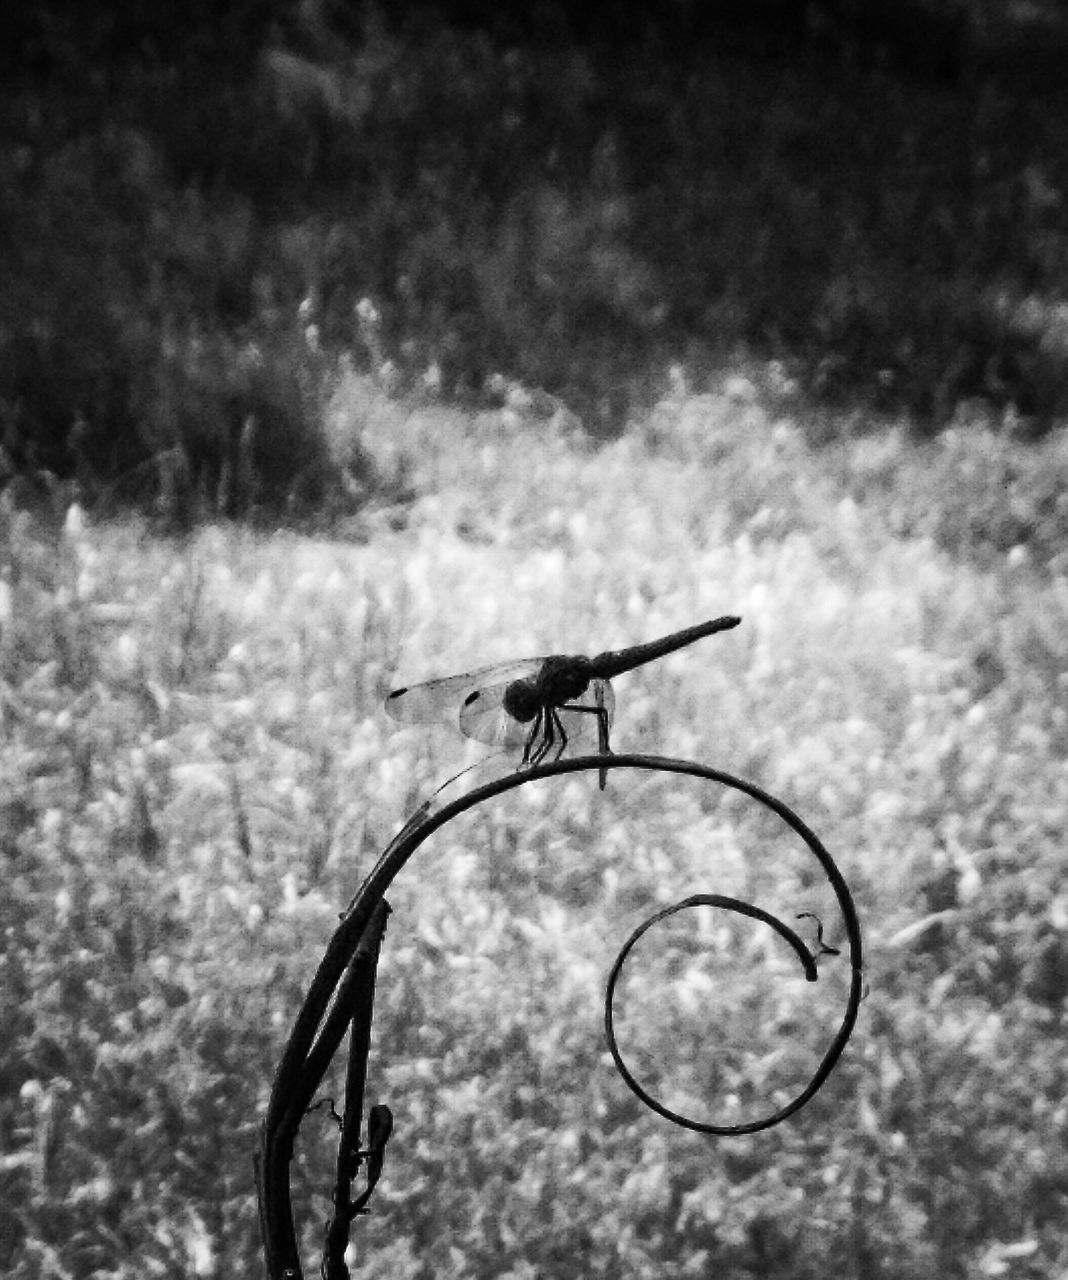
[(523, 700)]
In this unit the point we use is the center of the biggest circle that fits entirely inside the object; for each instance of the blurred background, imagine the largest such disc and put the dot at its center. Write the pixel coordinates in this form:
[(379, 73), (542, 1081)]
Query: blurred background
[(571, 196)]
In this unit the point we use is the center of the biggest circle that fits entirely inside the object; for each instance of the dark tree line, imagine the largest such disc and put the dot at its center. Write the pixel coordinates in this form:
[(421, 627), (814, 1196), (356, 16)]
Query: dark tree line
[(929, 36), (944, 40), (178, 179)]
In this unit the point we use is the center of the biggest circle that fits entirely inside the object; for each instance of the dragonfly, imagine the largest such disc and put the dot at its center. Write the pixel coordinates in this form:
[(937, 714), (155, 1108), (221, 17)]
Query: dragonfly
[(539, 704)]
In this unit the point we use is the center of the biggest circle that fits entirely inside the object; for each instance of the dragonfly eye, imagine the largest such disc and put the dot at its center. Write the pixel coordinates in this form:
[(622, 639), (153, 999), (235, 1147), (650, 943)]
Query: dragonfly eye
[(523, 700)]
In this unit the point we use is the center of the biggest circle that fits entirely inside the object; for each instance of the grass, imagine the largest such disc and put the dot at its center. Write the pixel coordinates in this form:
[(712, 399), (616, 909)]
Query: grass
[(197, 774)]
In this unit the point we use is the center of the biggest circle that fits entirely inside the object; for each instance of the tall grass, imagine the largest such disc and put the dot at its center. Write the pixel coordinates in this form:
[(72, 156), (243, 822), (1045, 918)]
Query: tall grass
[(197, 774)]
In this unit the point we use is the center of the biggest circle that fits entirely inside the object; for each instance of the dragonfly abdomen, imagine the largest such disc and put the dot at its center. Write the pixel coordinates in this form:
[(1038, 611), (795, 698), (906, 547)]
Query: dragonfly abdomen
[(615, 663)]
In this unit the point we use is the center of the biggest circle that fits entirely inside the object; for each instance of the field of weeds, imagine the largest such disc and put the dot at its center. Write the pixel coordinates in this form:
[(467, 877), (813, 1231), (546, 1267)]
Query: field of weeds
[(197, 773)]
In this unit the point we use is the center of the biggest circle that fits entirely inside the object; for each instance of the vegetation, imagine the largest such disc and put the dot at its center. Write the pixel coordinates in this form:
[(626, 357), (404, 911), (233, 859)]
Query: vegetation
[(197, 774), (196, 207), (810, 298)]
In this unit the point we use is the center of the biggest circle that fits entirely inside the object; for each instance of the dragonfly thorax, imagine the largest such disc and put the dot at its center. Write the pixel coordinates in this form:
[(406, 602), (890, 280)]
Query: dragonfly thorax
[(558, 681)]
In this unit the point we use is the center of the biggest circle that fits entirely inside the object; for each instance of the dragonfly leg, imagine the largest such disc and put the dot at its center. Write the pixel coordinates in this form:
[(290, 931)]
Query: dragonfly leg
[(548, 732), (602, 724), (535, 732), (603, 748), (558, 725), (548, 728)]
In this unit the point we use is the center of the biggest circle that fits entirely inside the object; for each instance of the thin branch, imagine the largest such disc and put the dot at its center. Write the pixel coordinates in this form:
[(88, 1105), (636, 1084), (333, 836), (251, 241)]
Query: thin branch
[(304, 1062), (808, 961), (344, 969), (359, 997)]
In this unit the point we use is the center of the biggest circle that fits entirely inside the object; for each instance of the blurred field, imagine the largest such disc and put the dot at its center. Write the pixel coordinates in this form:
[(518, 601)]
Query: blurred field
[(197, 774), (207, 214)]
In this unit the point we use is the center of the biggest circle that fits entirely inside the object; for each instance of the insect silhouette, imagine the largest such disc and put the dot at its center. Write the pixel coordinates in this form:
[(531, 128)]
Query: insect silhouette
[(539, 704)]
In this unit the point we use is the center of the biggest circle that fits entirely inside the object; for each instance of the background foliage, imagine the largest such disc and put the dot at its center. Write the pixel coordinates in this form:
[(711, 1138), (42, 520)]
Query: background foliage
[(197, 774), (196, 202)]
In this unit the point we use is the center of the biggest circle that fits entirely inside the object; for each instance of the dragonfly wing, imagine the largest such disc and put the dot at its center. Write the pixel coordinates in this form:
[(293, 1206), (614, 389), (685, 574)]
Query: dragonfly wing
[(432, 700), (443, 699), (483, 717)]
